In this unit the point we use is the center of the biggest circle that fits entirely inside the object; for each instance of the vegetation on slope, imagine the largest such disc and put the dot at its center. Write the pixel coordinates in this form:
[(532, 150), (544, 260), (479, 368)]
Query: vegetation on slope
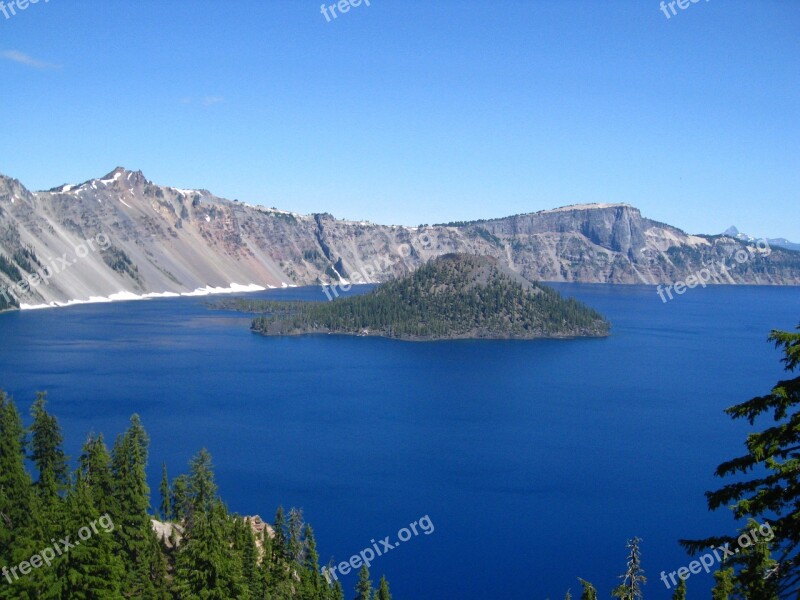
[(453, 296), (55, 517)]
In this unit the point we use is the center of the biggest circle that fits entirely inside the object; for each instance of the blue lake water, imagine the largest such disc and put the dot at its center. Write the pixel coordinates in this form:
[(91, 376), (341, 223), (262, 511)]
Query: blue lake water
[(534, 460)]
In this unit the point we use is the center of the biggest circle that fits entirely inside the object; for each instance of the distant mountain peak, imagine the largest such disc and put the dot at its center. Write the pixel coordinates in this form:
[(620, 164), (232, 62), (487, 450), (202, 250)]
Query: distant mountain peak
[(733, 232)]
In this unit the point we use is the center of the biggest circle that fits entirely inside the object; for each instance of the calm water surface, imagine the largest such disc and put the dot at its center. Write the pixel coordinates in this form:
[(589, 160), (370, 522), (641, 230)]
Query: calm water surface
[(534, 460)]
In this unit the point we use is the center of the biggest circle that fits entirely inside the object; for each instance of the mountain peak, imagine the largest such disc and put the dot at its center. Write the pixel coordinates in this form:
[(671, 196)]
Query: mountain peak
[(117, 172), (122, 173)]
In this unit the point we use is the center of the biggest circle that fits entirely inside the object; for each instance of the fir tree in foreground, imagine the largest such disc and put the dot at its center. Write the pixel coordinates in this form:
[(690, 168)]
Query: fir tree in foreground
[(723, 587), (165, 508), (588, 593), (765, 493), (764, 488), (364, 585), (633, 579), (383, 590)]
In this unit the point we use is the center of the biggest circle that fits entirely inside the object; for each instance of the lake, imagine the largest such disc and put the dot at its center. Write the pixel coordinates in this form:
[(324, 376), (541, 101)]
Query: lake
[(534, 460)]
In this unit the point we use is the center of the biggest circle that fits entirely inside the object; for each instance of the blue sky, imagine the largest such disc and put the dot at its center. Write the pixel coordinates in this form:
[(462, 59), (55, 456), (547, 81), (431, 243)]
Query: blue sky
[(418, 111)]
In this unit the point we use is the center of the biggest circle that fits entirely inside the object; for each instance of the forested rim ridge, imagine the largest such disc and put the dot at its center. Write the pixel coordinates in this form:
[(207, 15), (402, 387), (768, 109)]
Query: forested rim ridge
[(451, 297), (191, 547)]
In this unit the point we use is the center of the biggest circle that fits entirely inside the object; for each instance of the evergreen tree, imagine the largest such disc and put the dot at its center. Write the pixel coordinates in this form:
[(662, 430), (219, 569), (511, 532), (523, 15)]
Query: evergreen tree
[(164, 509), (92, 569), (202, 489), (588, 593), (295, 530), (338, 591), (279, 544), (206, 566), (680, 591), (757, 567), (131, 503), (279, 571), (364, 585), (95, 471), (46, 452), (633, 579), (16, 502), (20, 531), (265, 557), (313, 580), (245, 545), (383, 590), (180, 498), (771, 494), (51, 516), (201, 559), (723, 588)]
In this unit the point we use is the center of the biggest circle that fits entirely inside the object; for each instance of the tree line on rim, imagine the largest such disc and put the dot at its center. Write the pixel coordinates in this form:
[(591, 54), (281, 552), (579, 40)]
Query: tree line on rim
[(218, 557)]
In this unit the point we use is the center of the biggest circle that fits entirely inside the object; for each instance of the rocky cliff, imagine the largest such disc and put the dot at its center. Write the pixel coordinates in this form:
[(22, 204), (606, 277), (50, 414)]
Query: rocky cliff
[(123, 236)]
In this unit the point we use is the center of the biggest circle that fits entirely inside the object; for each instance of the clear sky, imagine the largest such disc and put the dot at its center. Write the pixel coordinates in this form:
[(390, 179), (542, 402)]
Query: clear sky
[(418, 111)]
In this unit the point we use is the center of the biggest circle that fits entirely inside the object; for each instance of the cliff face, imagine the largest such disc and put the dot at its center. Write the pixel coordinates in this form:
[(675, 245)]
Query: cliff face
[(122, 234)]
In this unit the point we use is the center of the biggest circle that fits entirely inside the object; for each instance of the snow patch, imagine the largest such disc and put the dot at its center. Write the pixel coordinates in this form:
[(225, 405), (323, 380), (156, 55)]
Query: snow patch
[(342, 280), (113, 179), (233, 289), (124, 296)]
